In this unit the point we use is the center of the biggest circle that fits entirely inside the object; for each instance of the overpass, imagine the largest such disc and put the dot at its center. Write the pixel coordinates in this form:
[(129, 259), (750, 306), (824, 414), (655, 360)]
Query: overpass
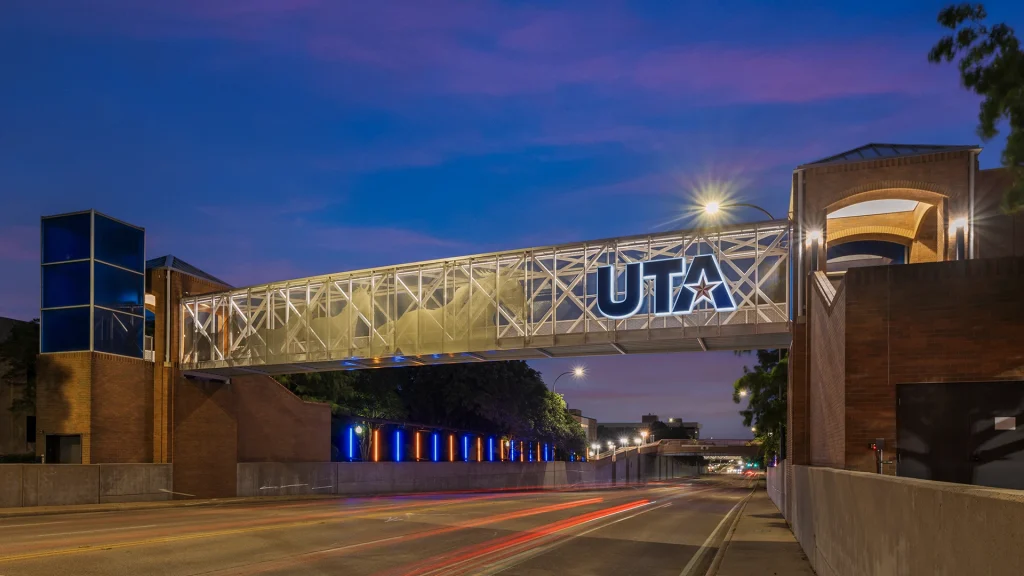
[(518, 304), (730, 448)]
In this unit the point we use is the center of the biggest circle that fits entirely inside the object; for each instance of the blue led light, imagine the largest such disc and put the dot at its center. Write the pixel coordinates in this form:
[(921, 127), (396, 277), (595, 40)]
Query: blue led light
[(351, 444), (546, 453), (490, 449), (398, 445), (465, 448), (434, 436)]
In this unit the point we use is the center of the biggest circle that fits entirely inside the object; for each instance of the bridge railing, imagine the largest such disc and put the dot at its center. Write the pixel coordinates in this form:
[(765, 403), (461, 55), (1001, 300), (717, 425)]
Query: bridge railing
[(532, 298)]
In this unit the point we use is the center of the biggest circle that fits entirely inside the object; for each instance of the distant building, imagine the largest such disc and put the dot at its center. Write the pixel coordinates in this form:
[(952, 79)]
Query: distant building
[(589, 425), (17, 431), (614, 431)]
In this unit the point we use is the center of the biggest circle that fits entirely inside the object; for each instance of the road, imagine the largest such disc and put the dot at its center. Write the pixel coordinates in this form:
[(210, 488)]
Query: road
[(657, 529)]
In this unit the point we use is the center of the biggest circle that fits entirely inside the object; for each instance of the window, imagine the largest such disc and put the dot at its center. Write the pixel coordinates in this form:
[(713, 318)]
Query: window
[(116, 333), (65, 330), (66, 285), (119, 289), (67, 238), (120, 244)]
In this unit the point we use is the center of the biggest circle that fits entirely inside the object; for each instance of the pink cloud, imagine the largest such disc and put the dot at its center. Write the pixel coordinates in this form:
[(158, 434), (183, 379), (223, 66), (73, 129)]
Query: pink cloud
[(19, 243)]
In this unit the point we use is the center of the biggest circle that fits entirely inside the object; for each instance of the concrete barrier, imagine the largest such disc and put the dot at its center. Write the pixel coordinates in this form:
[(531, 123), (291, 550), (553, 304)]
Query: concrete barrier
[(67, 484), (776, 480), (855, 523), (361, 478)]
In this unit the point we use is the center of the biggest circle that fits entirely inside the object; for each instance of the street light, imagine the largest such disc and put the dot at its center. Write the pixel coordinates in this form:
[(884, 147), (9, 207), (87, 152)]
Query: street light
[(638, 440), (577, 373), (643, 434), (359, 429), (743, 393), (624, 441), (753, 429), (713, 208)]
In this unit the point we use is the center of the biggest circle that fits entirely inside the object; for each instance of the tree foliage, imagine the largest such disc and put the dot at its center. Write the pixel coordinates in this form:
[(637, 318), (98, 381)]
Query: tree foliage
[(764, 389), (991, 64), (501, 398), (18, 363)]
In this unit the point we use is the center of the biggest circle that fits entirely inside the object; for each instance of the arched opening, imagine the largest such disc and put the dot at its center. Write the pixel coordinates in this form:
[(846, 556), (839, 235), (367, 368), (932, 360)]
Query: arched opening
[(883, 227)]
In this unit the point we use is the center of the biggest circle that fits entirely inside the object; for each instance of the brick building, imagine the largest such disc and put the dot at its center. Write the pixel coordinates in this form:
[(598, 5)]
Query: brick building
[(908, 316), (109, 389)]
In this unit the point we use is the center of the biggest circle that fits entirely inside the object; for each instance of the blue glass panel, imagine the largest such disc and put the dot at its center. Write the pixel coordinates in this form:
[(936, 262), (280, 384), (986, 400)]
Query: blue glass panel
[(66, 238), (119, 289), (65, 330), (66, 285), (120, 244), (116, 333)]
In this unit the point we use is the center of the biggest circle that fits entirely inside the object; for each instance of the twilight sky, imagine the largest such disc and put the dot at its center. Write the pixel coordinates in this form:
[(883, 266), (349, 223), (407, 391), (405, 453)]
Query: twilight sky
[(269, 139)]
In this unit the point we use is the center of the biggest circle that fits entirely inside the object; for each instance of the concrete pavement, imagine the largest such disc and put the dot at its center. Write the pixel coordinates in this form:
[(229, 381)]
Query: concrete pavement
[(655, 529), (762, 543)]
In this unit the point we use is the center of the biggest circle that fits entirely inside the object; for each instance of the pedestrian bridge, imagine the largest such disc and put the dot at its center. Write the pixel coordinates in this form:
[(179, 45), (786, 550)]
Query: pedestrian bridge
[(516, 304)]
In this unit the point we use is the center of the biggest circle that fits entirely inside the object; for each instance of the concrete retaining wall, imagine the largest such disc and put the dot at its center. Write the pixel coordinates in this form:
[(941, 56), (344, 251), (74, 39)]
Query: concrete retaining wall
[(855, 523), (776, 476), (356, 478), (64, 484)]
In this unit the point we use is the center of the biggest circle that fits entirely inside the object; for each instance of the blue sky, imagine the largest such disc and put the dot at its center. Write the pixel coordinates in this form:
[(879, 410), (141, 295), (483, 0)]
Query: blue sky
[(271, 139)]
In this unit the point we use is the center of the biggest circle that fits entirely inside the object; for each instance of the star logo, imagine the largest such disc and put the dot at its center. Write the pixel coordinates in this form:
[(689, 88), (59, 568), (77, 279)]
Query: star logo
[(702, 290)]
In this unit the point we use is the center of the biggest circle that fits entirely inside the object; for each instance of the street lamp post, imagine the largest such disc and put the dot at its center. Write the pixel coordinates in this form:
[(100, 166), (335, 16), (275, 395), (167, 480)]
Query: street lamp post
[(712, 208), (577, 372)]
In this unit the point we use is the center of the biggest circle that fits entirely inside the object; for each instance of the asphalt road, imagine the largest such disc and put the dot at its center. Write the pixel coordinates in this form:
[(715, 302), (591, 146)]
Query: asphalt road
[(657, 529)]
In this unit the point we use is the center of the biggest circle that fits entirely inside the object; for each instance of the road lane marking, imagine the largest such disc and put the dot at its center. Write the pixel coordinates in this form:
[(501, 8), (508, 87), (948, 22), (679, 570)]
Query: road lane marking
[(101, 530), (698, 557)]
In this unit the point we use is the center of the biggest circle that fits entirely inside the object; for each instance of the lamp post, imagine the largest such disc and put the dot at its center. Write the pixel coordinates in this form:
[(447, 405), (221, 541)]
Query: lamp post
[(713, 208), (959, 228), (577, 372)]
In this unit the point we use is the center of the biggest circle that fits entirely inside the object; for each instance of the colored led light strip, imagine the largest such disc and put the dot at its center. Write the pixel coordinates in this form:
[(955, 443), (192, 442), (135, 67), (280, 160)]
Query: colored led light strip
[(490, 449), (376, 445), (465, 448), (451, 447), (417, 445), (435, 437), (479, 449), (398, 445), (351, 444)]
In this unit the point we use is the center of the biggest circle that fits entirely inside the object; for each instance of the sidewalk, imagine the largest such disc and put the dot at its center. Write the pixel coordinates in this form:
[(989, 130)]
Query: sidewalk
[(763, 543)]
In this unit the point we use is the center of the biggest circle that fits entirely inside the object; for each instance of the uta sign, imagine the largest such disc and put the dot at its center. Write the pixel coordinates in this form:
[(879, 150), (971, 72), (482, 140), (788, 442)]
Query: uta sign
[(702, 281)]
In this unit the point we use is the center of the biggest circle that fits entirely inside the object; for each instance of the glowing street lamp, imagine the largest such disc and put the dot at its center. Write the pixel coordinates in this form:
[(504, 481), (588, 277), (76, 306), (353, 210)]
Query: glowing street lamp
[(624, 441), (638, 440), (577, 373), (359, 429), (643, 434), (713, 208), (743, 393), (753, 429)]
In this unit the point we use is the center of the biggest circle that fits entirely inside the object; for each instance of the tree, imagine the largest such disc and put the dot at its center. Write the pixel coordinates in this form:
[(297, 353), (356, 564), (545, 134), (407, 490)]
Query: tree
[(992, 65), (498, 398), (18, 363), (764, 389)]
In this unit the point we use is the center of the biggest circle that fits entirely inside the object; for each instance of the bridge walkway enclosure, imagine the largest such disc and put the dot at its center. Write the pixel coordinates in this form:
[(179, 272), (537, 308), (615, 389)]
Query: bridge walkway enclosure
[(517, 304)]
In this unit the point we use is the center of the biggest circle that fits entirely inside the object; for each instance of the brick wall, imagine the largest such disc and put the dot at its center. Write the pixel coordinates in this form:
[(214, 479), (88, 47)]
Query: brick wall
[(205, 436), (275, 425), (122, 408), (797, 449), (922, 323), (924, 248), (826, 380), (64, 398), (164, 375), (998, 234)]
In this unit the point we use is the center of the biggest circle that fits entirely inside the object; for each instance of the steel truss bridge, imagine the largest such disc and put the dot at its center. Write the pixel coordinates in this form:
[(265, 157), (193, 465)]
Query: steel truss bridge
[(517, 304)]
